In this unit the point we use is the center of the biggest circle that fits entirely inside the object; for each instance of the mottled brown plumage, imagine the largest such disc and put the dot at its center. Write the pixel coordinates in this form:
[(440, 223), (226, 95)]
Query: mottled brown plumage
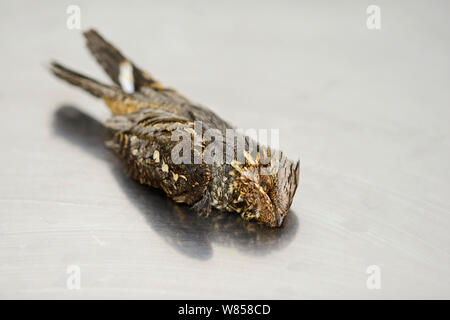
[(146, 117)]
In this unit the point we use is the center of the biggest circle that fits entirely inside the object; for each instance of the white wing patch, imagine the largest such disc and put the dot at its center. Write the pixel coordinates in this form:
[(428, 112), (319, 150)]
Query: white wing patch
[(126, 77)]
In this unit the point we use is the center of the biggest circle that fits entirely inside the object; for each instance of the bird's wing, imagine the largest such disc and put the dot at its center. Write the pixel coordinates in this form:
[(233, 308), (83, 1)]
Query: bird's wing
[(159, 149)]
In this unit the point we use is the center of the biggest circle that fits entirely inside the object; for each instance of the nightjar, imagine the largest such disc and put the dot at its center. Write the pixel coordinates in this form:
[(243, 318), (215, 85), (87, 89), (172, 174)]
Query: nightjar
[(147, 116)]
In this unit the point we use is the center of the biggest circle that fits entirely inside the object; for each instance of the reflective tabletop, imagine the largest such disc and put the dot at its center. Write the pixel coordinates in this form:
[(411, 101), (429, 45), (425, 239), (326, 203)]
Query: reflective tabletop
[(366, 112)]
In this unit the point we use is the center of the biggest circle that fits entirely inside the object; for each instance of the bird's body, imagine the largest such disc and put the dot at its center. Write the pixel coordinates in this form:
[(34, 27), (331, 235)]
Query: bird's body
[(146, 118)]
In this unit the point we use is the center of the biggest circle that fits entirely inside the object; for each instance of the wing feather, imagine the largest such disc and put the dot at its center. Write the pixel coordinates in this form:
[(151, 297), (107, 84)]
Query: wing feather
[(144, 140)]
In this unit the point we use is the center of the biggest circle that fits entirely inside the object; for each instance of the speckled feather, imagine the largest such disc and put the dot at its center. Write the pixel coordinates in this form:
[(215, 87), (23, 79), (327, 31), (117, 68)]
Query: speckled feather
[(146, 114)]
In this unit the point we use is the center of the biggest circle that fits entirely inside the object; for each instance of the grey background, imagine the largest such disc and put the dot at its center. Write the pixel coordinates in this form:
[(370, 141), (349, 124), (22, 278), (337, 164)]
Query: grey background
[(366, 111)]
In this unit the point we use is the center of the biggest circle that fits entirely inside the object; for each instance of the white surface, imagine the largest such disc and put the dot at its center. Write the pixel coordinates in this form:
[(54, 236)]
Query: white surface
[(367, 113)]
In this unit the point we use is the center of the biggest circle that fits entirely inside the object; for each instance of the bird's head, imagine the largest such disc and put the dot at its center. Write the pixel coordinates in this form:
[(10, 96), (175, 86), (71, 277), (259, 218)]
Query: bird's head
[(266, 190)]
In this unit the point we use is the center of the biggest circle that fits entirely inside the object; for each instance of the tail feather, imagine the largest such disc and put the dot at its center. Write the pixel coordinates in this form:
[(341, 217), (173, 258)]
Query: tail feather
[(94, 87), (125, 73), (118, 101), (106, 54), (113, 61), (133, 90)]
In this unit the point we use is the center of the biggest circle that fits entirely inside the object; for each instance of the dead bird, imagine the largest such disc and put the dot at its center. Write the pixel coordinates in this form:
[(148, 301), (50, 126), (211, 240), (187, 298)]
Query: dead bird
[(146, 115)]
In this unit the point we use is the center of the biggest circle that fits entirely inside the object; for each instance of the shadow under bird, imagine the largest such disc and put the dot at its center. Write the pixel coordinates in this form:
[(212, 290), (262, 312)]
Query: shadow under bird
[(146, 115)]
